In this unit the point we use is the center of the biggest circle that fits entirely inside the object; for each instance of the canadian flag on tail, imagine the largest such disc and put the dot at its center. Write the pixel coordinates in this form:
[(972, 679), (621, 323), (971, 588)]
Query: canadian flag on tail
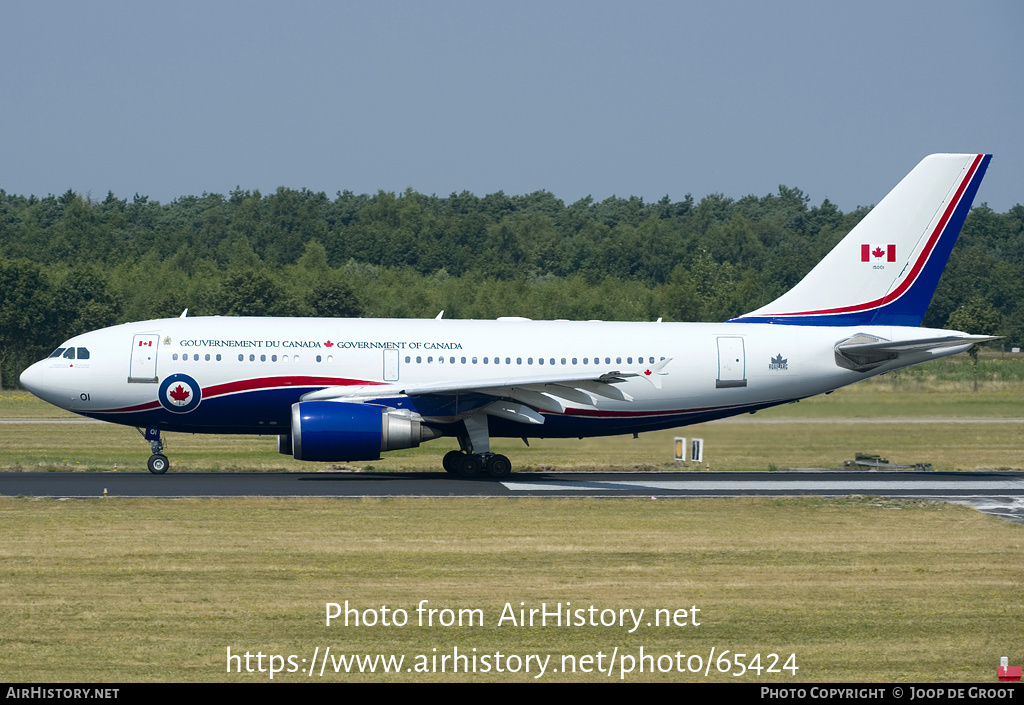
[(875, 253)]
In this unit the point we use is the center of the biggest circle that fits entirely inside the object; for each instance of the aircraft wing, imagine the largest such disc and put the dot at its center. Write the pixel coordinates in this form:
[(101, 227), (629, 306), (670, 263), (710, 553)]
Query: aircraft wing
[(550, 392)]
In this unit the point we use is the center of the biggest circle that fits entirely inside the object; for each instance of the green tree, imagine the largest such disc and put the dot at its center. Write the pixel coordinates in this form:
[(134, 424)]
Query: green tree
[(978, 317)]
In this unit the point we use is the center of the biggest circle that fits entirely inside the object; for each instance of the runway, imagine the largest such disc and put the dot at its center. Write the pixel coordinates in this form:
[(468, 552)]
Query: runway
[(1000, 493)]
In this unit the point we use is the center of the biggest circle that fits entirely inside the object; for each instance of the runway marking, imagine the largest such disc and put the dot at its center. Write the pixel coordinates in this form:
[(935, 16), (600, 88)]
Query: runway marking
[(988, 486)]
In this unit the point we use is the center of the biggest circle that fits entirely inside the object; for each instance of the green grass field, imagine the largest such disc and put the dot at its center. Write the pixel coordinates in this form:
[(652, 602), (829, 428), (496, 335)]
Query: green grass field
[(858, 589)]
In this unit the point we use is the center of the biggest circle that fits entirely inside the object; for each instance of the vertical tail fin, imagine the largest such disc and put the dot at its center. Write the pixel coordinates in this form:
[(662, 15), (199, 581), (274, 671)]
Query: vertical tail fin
[(884, 272)]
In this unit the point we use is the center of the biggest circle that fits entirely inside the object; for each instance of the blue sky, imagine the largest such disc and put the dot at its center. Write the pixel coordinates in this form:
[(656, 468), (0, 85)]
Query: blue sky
[(577, 98)]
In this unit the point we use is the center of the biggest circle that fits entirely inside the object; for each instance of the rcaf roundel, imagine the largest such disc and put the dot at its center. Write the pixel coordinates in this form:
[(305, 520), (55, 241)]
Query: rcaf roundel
[(180, 393)]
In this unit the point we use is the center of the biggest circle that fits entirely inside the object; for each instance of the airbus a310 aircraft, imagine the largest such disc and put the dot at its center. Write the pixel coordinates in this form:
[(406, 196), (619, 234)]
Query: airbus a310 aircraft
[(349, 389)]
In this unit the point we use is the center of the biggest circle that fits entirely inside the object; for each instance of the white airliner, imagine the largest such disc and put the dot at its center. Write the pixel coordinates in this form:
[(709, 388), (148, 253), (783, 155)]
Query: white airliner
[(348, 389)]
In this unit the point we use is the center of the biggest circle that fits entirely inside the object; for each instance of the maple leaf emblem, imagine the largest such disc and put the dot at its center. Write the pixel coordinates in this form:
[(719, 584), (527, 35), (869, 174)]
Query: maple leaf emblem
[(179, 394), (878, 252), (647, 372), (328, 344), (778, 360)]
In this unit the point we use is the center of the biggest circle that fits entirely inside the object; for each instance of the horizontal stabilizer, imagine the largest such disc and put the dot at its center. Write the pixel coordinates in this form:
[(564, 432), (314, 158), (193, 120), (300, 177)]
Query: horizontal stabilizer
[(864, 352), (904, 346)]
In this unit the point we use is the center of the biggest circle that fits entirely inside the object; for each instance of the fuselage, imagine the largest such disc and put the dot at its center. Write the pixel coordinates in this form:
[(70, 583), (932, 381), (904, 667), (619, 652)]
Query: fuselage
[(242, 375)]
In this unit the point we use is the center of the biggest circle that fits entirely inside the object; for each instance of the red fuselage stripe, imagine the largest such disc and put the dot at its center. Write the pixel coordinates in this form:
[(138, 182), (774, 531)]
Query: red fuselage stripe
[(257, 384)]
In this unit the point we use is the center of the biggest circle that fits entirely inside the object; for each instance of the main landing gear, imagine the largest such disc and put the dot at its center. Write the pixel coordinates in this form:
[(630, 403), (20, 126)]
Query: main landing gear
[(463, 464), (476, 457), (158, 462)]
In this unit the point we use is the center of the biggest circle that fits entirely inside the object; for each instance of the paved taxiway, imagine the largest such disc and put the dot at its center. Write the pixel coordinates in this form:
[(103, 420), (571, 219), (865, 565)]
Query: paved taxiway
[(1000, 493)]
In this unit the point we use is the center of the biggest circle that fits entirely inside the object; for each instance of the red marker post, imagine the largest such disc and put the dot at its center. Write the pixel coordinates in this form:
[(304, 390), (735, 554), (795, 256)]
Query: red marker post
[(1008, 673)]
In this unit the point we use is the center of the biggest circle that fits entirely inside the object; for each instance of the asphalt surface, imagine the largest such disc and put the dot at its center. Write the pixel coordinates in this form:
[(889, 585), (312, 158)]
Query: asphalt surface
[(1000, 493)]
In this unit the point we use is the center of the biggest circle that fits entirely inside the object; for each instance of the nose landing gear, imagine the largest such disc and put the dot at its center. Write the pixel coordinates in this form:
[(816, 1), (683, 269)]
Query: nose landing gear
[(158, 462)]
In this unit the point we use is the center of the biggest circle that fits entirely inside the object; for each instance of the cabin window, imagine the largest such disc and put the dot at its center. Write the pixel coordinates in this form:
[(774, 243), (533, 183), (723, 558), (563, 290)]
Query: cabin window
[(319, 359), (273, 358), (241, 357), (252, 358), (218, 357)]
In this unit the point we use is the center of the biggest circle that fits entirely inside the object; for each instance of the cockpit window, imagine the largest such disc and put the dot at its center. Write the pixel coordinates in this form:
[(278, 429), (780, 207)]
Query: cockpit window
[(83, 353), (69, 354), (57, 353)]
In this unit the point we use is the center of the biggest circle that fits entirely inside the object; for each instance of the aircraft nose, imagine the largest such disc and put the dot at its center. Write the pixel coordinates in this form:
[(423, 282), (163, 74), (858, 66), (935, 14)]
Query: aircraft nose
[(32, 378), (40, 380)]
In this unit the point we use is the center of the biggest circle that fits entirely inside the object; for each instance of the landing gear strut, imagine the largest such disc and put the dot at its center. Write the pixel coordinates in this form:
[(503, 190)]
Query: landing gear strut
[(158, 462)]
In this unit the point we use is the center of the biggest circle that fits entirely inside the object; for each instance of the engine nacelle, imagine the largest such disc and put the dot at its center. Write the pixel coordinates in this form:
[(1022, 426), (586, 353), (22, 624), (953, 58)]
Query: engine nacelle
[(328, 431)]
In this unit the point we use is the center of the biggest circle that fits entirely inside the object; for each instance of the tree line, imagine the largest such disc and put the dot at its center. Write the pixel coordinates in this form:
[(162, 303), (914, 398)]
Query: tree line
[(70, 263)]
